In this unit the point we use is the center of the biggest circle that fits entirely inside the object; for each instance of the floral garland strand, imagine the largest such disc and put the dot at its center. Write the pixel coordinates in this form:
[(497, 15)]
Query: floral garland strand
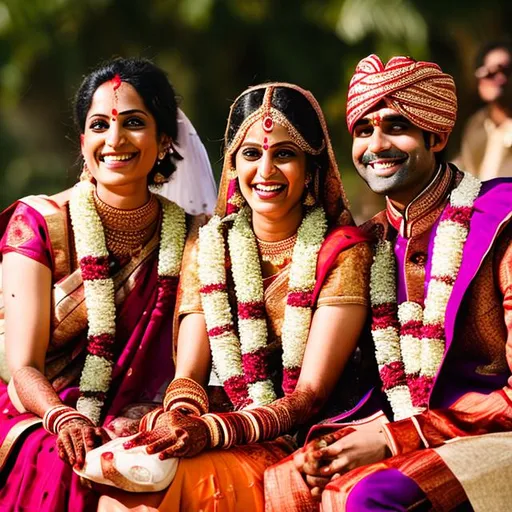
[(99, 288), (410, 317), (449, 242), (385, 330), (241, 363), (410, 340), (224, 343), (252, 318), (299, 302)]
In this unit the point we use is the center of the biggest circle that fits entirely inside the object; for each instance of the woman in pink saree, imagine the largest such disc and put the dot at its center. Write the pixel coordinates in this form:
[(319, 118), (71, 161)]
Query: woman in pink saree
[(89, 287)]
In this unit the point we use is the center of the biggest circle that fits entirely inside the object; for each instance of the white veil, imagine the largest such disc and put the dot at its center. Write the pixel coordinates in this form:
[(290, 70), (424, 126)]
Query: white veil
[(192, 185)]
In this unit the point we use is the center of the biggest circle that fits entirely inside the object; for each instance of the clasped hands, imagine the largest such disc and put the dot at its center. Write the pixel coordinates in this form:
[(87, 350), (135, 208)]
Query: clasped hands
[(328, 457), (176, 434)]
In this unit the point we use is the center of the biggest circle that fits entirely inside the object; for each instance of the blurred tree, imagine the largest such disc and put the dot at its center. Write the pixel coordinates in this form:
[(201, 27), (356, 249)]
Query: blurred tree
[(212, 50)]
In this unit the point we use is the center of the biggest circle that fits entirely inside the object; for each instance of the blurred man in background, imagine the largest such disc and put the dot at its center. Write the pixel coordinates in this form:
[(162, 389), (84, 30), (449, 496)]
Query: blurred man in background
[(486, 149)]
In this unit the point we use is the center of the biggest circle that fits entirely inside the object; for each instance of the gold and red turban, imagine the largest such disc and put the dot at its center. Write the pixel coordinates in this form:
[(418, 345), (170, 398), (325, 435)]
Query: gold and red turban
[(420, 91)]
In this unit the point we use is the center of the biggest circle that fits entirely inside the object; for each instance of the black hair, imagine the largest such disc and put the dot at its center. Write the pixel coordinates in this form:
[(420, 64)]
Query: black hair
[(152, 85), (438, 155), (487, 48)]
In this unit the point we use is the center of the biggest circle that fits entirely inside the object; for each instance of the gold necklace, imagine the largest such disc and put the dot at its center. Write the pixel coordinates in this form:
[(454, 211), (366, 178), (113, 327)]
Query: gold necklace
[(277, 253), (126, 231)]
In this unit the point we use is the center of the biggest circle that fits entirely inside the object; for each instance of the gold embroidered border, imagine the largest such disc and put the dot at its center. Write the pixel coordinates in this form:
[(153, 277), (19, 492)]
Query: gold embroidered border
[(338, 301), (56, 222), (70, 313), (13, 435)]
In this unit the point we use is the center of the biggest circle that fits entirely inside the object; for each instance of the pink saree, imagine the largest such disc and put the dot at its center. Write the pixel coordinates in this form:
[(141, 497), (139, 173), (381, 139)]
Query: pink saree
[(32, 477)]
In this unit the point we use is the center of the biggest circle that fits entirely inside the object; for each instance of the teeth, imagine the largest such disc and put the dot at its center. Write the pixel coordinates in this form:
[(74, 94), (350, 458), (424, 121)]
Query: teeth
[(116, 158), (383, 165), (268, 188)]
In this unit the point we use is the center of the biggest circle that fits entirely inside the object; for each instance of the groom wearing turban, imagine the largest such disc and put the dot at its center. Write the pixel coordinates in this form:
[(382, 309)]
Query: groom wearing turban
[(437, 430)]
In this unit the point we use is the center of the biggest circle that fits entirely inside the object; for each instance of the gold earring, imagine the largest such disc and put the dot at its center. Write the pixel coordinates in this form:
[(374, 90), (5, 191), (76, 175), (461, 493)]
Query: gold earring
[(159, 179), (309, 198), (85, 174)]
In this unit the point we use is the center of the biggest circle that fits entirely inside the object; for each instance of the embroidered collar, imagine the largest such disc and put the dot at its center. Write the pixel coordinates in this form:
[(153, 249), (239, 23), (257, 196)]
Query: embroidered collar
[(423, 211)]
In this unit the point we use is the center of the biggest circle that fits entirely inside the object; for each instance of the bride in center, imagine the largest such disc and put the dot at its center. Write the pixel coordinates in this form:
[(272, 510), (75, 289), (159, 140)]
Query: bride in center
[(273, 300)]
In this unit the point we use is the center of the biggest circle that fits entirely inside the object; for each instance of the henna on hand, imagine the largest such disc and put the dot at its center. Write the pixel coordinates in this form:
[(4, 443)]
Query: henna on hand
[(34, 390), (175, 435), (76, 438)]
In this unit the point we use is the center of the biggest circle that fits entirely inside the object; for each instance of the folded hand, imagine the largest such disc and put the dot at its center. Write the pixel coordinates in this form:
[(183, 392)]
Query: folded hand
[(347, 449), (175, 435)]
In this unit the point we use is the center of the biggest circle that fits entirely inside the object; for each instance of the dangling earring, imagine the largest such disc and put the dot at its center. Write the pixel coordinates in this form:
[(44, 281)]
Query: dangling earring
[(309, 198), (167, 148), (235, 199), (85, 174), (159, 178)]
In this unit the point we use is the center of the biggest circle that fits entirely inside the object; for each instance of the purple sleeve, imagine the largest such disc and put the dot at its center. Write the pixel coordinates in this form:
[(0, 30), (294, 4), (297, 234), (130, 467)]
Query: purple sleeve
[(26, 233)]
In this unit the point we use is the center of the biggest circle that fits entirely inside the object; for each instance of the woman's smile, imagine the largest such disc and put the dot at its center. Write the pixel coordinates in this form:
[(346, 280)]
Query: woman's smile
[(269, 190)]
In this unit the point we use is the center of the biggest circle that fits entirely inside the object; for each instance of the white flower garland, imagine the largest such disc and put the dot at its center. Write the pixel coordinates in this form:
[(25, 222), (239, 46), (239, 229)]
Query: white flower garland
[(228, 351), (99, 287), (406, 359), (246, 268)]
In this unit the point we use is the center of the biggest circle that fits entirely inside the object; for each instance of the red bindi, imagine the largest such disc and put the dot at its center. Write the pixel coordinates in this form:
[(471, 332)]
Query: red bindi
[(116, 82), (376, 120), (265, 143)]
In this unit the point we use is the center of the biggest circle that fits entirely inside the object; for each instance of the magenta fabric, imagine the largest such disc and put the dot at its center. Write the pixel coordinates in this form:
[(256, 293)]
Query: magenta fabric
[(34, 478), (385, 490), (39, 247)]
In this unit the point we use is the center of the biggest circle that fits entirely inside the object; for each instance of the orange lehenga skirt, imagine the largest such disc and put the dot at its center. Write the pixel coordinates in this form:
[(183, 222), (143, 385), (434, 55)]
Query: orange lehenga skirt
[(214, 481)]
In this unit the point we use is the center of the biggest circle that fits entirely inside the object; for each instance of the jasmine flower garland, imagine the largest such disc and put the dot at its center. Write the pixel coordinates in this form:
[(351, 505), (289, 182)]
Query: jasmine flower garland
[(241, 360), (99, 288), (409, 339)]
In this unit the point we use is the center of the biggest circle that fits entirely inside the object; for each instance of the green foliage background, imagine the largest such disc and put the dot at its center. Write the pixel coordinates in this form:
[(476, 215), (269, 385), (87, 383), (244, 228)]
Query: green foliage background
[(212, 50)]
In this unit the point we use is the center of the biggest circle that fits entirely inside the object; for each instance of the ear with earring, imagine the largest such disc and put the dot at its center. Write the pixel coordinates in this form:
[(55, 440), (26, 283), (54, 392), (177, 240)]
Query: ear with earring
[(159, 178), (85, 174), (167, 147), (235, 199), (309, 186)]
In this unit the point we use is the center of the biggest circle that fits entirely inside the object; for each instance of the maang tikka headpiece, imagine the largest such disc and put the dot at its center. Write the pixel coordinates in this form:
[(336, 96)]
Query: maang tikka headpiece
[(267, 121), (269, 116)]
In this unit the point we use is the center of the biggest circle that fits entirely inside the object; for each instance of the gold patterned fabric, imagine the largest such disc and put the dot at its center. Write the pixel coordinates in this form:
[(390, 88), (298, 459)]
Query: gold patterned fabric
[(20, 232), (420, 91)]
